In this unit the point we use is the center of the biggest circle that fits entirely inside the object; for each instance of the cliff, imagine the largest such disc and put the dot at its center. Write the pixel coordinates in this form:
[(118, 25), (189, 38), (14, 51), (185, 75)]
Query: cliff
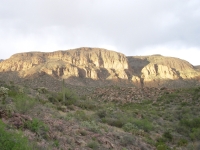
[(157, 68), (92, 63), (101, 65)]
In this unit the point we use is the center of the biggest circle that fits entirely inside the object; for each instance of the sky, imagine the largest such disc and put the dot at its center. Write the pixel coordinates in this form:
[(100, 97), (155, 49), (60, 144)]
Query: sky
[(132, 27)]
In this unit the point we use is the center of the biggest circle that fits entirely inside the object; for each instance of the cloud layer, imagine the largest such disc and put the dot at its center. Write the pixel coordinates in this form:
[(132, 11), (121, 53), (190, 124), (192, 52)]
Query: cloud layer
[(133, 27)]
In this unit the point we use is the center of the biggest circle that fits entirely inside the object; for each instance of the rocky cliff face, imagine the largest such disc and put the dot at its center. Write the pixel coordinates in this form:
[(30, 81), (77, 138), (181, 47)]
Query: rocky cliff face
[(83, 62), (101, 64), (156, 68)]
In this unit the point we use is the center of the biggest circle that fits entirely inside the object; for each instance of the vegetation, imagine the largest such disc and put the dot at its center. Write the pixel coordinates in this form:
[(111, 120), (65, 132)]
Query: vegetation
[(170, 122), (13, 140)]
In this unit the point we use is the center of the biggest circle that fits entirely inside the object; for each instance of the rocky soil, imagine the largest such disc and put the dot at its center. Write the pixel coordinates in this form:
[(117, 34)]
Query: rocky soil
[(129, 94)]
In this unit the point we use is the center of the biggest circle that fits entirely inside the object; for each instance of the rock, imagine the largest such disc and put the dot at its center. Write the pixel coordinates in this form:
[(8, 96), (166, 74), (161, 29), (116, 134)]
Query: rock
[(81, 142), (102, 65), (83, 62)]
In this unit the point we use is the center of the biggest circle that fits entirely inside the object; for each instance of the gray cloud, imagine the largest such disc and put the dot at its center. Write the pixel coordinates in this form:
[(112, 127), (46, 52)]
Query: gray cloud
[(129, 26)]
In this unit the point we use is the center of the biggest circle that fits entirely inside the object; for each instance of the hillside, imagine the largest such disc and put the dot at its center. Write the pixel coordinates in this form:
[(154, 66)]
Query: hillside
[(113, 117), (95, 67)]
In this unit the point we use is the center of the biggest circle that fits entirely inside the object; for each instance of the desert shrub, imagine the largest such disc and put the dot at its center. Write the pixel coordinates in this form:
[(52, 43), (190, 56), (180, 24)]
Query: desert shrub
[(195, 134), (38, 127), (127, 140), (191, 123), (143, 124), (13, 141), (168, 136), (56, 143), (93, 145), (86, 104), (113, 122), (42, 90), (162, 146), (23, 103), (13, 93), (69, 98), (3, 94), (91, 125), (81, 116), (182, 142), (82, 132), (190, 128), (129, 127), (102, 113)]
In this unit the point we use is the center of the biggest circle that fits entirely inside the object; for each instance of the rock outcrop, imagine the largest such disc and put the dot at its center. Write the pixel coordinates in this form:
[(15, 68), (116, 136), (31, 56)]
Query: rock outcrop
[(157, 68), (101, 64), (92, 63)]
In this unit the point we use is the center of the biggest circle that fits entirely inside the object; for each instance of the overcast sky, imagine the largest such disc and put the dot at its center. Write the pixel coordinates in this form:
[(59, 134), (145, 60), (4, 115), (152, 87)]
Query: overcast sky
[(132, 27)]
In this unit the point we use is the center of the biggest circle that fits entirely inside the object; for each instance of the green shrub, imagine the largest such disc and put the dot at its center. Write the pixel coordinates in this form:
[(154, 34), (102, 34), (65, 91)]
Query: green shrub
[(168, 136), (91, 125), (23, 103), (195, 134), (191, 123), (127, 140), (143, 124), (69, 99), (42, 90), (129, 127), (93, 145), (13, 141), (113, 122), (3, 94), (38, 127), (81, 116), (182, 142), (190, 127), (86, 104), (102, 114), (162, 147)]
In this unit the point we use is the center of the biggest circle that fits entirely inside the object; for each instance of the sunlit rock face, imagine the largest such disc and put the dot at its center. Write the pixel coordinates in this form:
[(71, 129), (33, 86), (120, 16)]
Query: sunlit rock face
[(92, 63), (156, 68), (101, 64)]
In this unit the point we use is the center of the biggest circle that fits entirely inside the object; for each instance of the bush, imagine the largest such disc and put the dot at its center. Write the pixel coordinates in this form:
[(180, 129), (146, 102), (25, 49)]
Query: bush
[(93, 145), (69, 99), (23, 103), (143, 124), (113, 122), (127, 140), (129, 127), (162, 147), (86, 104), (81, 116), (168, 136), (190, 127), (91, 125), (3, 94), (38, 127), (12, 141), (182, 142)]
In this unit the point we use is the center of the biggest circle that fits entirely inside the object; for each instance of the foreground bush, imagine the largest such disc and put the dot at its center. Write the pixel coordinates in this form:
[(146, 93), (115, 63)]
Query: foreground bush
[(12, 141)]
